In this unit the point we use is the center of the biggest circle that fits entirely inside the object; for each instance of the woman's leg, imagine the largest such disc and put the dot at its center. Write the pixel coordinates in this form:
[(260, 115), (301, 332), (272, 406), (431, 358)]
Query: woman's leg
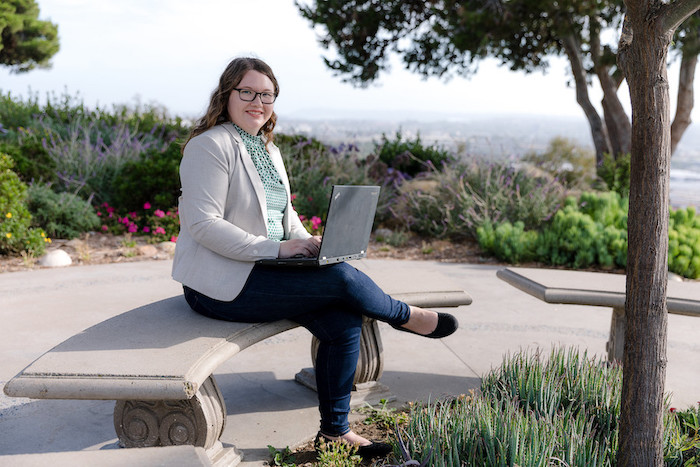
[(330, 303)]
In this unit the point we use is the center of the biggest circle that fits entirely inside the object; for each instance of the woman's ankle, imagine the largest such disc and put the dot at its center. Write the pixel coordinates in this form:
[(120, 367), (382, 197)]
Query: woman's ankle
[(421, 321)]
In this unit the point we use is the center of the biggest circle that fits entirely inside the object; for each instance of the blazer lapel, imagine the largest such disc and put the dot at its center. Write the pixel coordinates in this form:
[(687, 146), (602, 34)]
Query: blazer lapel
[(250, 169)]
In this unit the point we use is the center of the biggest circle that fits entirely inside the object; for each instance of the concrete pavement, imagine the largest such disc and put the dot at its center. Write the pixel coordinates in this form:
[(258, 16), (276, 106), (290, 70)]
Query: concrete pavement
[(39, 309)]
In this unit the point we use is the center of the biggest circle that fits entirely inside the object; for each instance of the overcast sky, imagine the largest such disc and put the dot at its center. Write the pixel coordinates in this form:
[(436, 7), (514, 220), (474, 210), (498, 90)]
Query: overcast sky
[(171, 52)]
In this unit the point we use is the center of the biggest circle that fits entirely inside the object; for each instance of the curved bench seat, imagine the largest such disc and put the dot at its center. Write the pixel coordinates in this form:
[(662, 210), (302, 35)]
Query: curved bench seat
[(157, 361)]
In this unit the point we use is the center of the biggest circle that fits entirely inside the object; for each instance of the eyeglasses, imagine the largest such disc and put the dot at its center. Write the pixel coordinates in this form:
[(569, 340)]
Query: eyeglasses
[(248, 95)]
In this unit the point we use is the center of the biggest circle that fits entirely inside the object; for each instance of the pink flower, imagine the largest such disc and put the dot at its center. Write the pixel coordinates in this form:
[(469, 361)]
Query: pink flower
[(105, 228), (294, 197), (146, 229), (147, 205), (133, 228), (159, 230), (315, 222), (173, 238), (158, 213), (110, 209), (99, 214), (302, 217), (310, 198)]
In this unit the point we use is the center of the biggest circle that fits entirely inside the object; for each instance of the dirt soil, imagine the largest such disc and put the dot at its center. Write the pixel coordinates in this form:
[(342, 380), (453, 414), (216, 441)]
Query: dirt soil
[(98, 248)]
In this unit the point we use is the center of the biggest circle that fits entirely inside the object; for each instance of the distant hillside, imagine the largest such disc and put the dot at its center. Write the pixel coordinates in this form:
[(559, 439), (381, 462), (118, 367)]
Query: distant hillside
[(493, 135)]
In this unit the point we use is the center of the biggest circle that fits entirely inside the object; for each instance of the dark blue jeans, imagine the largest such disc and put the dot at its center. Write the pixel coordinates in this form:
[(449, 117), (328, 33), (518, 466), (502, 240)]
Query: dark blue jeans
[(328, 301)]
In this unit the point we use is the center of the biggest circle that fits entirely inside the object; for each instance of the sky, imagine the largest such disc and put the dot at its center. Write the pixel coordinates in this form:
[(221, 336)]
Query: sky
[(171, 53)]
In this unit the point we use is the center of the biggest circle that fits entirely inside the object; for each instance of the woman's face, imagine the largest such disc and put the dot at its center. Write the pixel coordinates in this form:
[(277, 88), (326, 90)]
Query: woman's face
[(251, 116)]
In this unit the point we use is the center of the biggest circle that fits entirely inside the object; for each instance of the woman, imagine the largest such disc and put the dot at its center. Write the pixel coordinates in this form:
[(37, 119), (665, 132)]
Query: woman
[(235, 209)]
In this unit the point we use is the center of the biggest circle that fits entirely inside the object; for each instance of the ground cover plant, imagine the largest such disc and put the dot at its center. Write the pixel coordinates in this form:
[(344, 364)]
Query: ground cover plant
[(537, 410)]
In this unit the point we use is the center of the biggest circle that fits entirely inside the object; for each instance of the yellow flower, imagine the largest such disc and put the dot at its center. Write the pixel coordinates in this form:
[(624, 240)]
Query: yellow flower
[(47, 240), (8, 235), (43, 234), (8, 215)]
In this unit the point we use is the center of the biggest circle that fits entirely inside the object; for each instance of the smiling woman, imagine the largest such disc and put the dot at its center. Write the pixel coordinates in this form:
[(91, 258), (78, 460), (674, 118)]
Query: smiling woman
[(235, 210)]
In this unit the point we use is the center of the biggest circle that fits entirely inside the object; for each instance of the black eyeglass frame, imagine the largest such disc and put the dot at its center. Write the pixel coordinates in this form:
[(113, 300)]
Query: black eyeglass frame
[(255, 95)]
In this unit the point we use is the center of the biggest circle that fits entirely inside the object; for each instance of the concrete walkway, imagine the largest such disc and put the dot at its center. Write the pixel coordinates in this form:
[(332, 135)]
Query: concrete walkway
[(39, 309)]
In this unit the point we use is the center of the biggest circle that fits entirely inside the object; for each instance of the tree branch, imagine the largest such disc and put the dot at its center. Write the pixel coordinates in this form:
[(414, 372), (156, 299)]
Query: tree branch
[(677, 12)]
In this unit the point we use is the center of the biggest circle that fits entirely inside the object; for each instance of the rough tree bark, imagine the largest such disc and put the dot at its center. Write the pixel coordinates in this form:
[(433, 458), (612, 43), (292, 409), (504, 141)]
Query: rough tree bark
[(642, 55)]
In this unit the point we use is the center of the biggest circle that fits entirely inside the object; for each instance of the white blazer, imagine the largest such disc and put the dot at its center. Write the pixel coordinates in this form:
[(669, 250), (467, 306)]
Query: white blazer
[(223, 214)]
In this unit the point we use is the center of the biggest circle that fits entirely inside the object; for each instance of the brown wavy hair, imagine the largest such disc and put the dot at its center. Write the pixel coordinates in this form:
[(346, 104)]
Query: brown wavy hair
[(217, 112)]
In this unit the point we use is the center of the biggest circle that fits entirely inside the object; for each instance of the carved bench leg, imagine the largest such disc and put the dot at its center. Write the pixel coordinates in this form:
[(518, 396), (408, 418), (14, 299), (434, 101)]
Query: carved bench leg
[(370, 366), (198, 421), (616, 344)]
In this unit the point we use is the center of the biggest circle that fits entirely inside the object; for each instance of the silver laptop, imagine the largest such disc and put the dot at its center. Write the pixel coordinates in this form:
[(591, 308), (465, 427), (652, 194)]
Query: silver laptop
[(349, 222)]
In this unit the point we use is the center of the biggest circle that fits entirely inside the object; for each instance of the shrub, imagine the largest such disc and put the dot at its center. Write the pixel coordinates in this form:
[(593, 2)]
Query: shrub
[(16, 233), (159, 225), (615, 173), (684, 243), (154, 177), (589, 230), (566, 161), (314, 168), (410, 157), (32, 161), (592, 231), (91, 156), (455, 201), (61, 215), (536, 411)]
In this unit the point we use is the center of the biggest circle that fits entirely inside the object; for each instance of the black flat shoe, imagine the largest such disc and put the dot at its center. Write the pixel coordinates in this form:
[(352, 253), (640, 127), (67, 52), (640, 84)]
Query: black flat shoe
[(375, 449), (447, 324)]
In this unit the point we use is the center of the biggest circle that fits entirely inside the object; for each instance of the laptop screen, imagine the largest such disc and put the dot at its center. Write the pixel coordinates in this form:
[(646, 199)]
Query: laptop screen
[(349, 222)]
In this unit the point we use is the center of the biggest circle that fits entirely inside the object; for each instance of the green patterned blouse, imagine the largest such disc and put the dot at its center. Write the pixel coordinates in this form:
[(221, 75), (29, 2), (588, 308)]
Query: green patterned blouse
[(275, 193)]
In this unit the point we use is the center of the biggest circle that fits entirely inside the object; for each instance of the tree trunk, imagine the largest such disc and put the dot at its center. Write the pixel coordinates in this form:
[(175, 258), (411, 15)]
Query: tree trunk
[(643, 60), (601, 142), (616, 119), (685, 99)]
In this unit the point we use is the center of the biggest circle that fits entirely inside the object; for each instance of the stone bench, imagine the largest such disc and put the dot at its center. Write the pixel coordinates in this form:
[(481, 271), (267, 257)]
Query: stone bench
[(157, 361), (597, 289), (190, 456)]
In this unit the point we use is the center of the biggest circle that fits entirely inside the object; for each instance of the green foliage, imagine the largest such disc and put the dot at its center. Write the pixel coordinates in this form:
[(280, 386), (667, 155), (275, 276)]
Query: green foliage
[(684, 243), (16, 233), (153, 177), (538, 411), (508, 241), (32, 161), (26, 41), (283, 458), (567, 162), (410, 157), (591, 231), (61, 215), (382, 416), (615, 173), (338, 454), (455, 201), (16, 114)]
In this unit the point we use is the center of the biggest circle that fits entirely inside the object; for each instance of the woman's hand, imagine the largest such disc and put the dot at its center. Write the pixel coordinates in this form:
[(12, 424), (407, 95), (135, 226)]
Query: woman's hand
[(297, 246)]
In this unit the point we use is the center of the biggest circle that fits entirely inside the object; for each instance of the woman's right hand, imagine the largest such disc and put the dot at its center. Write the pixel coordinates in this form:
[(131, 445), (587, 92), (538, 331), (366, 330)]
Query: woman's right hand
[(297, 246)]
